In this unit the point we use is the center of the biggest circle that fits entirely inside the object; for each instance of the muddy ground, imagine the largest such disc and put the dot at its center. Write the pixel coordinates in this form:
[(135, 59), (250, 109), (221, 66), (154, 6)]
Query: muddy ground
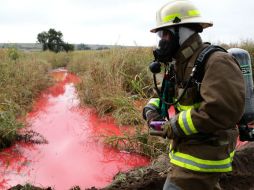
[(153, 176)]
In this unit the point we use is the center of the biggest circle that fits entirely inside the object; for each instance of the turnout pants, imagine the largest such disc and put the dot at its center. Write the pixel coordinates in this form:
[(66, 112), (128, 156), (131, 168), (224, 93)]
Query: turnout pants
[(183, 179)]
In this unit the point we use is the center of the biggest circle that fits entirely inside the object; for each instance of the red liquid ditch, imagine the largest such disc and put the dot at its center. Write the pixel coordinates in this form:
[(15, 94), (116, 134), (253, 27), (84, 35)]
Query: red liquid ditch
[(74, 154)]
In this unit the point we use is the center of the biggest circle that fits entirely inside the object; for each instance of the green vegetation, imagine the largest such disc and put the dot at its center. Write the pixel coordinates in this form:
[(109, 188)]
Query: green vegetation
[(61, 59), (113, 80), (22, 77)]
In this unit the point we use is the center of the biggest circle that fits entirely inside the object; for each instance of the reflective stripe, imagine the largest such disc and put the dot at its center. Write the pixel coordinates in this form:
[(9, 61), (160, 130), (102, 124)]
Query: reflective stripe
[(193, 13), (190, 13), (184, 108), (155, 102), (197, 164), (174, 127), (171, 17), (186, 123)]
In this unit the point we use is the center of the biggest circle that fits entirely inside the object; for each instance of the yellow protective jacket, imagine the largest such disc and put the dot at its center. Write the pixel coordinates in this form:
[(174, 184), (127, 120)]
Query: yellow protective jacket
[(205, 130)]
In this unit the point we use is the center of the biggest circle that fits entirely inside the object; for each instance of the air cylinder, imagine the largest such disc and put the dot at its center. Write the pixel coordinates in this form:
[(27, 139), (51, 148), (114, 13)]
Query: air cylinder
[(243, 58)]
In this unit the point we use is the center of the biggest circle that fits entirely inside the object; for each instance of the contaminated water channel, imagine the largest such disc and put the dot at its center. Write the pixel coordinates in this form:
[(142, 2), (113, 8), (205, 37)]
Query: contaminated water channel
[(74, 153)]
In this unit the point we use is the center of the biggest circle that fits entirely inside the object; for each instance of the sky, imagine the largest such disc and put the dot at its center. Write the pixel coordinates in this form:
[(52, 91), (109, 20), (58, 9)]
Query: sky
[(116, 22)]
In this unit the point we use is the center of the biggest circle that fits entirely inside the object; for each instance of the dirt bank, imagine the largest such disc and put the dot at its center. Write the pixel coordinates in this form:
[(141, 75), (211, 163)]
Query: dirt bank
[(153, 177)]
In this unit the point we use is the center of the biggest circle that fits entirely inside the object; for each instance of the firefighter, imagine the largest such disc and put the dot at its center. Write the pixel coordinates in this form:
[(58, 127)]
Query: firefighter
[(203, 132)]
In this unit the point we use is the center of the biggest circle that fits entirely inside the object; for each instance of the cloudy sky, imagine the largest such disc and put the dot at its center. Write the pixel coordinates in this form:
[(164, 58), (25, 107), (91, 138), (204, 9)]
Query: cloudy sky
[(116, 21)]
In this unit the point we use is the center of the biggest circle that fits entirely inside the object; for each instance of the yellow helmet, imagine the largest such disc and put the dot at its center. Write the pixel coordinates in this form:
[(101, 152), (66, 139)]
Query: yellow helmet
[(179, 12)]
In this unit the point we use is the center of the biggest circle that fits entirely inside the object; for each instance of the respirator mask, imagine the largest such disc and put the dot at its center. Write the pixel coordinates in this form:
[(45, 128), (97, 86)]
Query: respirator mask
[(167, 47)]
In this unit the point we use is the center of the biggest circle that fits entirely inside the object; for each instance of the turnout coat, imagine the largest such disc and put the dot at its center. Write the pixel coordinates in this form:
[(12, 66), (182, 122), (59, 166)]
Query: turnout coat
[(205, 130)]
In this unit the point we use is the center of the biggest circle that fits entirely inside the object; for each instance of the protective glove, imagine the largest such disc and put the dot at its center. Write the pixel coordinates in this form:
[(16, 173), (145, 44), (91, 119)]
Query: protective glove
[(151, 115), (161, 128), (151, 111)]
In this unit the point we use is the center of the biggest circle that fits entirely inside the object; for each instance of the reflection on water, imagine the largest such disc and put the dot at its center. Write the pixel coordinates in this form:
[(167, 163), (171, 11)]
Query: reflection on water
[(72, 156)]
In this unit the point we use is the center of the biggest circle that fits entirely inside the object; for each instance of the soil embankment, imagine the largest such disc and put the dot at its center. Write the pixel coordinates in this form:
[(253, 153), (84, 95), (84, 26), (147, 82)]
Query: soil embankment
[(153, 177)]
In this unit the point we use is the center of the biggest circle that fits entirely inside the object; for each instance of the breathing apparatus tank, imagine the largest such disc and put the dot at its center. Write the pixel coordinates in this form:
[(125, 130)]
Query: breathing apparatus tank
[(244, 60)]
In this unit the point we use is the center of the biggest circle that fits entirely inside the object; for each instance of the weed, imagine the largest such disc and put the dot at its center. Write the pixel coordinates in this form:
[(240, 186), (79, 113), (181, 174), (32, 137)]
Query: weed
[(121, 177), (138, 142), (13, 53)]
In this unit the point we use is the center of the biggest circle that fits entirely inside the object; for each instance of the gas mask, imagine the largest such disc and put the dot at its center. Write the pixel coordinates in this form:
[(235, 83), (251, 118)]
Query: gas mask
[(168, 45)]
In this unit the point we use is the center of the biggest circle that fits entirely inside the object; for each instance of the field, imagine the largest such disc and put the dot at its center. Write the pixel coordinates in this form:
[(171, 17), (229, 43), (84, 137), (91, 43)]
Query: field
[(114, 81)]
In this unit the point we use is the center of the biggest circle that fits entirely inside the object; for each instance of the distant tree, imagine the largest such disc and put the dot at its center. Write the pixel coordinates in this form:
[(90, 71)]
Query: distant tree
[(102, 48), (43, 39), (68, 47), (52, 40), (83, 47)]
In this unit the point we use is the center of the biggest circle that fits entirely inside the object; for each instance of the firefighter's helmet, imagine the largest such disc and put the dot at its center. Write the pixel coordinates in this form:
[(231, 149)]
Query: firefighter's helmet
[(179, 12)]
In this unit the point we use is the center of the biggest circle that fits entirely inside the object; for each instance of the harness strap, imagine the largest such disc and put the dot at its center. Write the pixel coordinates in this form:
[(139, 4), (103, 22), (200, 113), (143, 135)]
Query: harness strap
[(201, 60)]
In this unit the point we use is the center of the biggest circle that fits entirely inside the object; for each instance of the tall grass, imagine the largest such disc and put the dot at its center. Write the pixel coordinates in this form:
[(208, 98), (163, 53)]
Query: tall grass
[(56, 60), (112, 80), (22, 77)]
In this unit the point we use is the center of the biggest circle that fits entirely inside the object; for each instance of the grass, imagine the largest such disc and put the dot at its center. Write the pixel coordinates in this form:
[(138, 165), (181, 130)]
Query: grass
[(139, 142), (22, 77), (112, 80)]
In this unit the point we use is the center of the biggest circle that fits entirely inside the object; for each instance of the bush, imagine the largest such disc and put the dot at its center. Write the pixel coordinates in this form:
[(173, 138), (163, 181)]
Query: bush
[(13, 53)]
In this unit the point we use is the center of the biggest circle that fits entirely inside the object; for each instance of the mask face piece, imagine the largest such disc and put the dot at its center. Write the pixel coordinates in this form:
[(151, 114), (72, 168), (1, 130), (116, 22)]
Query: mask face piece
[(167, 47)]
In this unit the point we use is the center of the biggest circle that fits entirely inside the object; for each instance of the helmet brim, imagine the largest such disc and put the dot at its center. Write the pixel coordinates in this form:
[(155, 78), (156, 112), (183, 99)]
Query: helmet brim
[(203, 24)]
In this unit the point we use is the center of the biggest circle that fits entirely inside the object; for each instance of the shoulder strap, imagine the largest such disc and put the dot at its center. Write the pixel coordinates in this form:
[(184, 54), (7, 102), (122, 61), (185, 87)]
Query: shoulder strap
[(201, 60)]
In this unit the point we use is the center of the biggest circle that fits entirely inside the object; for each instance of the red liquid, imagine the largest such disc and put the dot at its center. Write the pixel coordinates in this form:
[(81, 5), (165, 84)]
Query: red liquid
[(74, 154)]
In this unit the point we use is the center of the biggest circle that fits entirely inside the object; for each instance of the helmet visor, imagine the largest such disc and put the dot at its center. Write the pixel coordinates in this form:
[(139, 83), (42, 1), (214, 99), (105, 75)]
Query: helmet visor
[(165, 34)]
